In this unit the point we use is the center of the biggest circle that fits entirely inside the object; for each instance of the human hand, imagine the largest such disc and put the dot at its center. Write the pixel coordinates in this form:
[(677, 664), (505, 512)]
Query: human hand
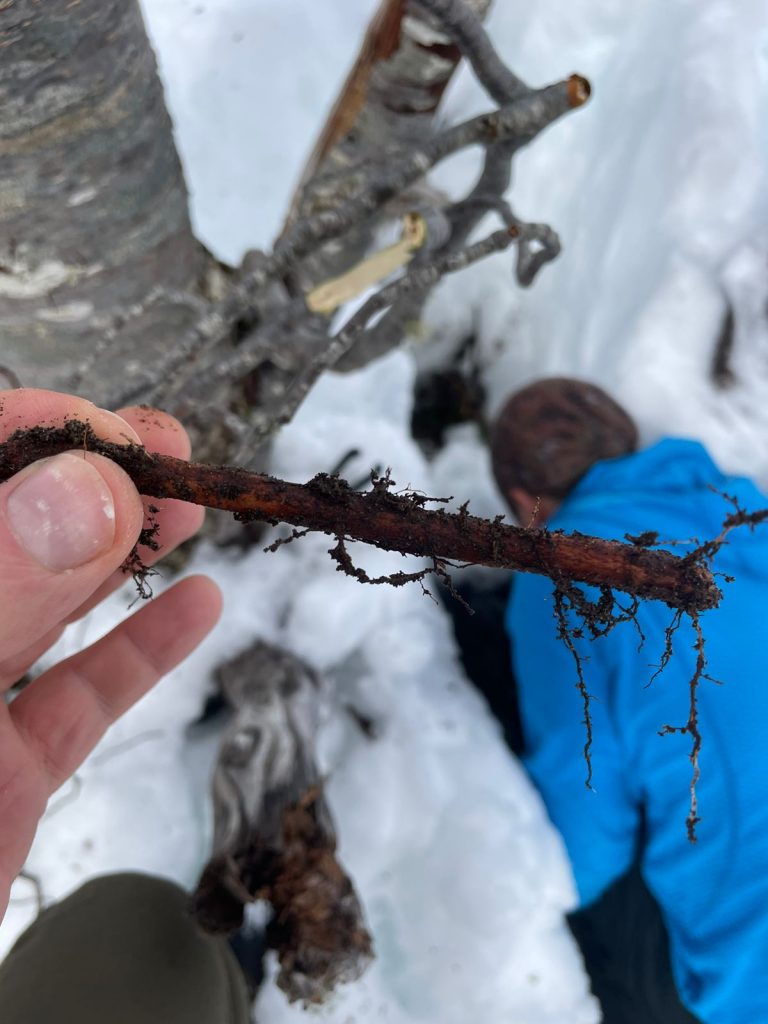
[(66, 526)]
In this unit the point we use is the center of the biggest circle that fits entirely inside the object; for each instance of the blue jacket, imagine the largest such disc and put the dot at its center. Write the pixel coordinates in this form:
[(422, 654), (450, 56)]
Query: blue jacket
[(714, 894)]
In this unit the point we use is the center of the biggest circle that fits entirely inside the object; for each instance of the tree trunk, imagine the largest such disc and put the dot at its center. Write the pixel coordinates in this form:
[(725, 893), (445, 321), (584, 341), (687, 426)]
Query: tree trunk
[(95, 236)]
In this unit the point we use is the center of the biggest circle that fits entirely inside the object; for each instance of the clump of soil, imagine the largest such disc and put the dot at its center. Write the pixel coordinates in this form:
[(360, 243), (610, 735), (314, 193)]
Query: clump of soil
[(316, 928)]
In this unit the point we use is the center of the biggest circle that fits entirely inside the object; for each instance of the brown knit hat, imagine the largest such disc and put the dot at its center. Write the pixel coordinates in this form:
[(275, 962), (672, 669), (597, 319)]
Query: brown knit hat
[(548, 435)]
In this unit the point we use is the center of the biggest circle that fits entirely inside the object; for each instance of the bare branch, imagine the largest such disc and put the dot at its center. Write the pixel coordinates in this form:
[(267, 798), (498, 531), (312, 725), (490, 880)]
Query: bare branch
[(389, 98), (416, 280), (264, 324), (518, 121), (539, 245), (325, 352), (462, 26)]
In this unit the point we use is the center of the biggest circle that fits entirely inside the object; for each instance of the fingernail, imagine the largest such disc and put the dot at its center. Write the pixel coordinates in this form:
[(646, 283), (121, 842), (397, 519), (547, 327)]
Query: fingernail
[(63, 513)]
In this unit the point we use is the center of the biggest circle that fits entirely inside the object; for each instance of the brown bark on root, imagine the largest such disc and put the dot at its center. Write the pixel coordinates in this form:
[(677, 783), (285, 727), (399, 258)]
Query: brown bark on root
[(396, 522)]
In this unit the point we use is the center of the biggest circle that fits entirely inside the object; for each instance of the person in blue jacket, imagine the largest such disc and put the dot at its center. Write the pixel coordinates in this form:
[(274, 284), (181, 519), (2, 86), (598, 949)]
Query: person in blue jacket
[(564, 454)]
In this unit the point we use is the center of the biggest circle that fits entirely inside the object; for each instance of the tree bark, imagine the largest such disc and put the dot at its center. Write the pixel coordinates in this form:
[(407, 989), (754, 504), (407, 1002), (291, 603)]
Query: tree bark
[(96, 247)]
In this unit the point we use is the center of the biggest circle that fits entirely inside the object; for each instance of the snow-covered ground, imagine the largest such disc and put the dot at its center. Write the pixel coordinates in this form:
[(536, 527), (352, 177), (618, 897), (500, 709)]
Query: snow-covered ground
[(656, 191)]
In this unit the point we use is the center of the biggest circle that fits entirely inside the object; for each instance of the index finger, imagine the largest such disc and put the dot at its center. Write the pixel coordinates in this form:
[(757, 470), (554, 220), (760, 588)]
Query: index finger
[(33, 407)]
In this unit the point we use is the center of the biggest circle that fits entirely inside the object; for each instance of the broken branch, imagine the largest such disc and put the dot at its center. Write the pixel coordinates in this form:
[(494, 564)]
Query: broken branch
[(518, 121), (248, 356)]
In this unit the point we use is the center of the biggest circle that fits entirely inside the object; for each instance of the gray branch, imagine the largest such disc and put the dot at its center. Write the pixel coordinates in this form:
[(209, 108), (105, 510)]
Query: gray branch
[(514, 125), (251, 355), (462, 26), (517, 123)]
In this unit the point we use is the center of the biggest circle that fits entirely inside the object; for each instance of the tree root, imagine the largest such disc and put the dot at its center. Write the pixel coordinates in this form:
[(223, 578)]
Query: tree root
[(386, 520), (317, 927)]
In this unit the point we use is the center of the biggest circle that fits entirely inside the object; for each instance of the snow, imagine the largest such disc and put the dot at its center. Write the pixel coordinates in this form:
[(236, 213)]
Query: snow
[(248, 83), (655, 190)]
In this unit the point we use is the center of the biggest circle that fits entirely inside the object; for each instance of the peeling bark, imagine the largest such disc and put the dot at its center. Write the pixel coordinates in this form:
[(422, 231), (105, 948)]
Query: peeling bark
[(387, 102)]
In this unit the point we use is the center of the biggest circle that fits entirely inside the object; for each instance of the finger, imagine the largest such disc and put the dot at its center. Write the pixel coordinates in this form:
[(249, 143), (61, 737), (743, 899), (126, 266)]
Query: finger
[(12, 669), (64, 713), (66, 524), (23, 796), (158, 431), (33, 407), (176, 521)]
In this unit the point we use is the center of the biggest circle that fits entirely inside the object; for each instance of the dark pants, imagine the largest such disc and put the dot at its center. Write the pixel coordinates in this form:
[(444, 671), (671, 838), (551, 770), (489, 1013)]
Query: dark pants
[(622, 936), (624, 943), (121, 950)]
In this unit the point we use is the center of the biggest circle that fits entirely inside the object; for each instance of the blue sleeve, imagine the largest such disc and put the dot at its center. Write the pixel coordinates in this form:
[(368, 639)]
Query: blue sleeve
[(599, 826)]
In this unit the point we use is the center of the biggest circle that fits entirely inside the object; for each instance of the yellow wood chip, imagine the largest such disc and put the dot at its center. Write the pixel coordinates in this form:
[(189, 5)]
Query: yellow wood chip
[(331, 294)]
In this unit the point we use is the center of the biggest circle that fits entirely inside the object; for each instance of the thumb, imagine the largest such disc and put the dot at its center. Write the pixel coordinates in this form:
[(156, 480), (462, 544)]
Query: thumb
[(66, 524)]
